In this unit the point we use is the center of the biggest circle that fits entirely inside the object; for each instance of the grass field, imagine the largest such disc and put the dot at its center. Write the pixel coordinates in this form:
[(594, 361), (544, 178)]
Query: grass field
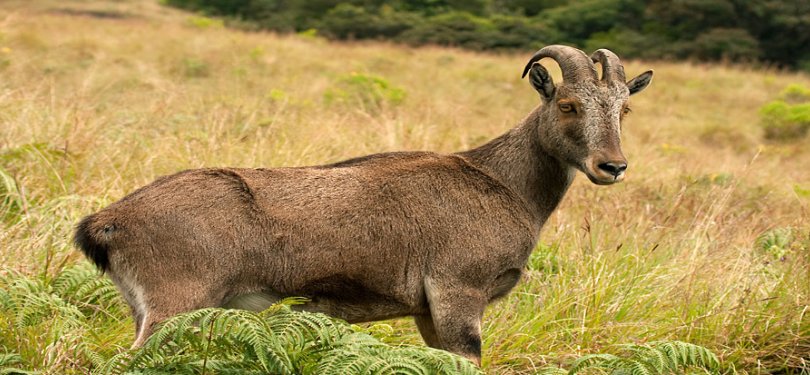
[(706, 241)]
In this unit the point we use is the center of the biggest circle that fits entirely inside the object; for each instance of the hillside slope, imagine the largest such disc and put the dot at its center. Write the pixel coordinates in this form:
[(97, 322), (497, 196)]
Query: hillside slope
[(707, 240)]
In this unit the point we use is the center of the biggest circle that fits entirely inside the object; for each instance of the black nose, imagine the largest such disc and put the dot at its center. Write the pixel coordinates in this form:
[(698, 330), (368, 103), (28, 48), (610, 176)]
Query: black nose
[(613, 168)]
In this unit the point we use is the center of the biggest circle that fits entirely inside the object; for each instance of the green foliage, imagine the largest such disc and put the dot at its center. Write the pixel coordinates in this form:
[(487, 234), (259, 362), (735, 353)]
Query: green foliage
[(795, 94), (726, 44), (628, 42), (787, 118), (800, 191), (68, 315), (453, 28), (7, 360), (701, 29), (474, 32), (5, 57), (667, 357), (776, 244), (195, 68), (591, 16), (544, 259), (57, 312), (368, 92), (205, 22), (11, 199), (347, 21), (278, 341)]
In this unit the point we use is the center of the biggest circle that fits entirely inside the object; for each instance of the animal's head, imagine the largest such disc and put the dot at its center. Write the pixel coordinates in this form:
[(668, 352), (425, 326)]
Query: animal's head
[(581, 117)]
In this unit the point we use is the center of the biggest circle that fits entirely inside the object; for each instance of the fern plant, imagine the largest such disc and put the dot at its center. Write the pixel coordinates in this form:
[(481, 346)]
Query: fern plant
[(665, 357), (277, 341), (57, 323)]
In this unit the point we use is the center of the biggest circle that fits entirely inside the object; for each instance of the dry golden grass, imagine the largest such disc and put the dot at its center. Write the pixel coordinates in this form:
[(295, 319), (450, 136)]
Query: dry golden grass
[(98, 98)]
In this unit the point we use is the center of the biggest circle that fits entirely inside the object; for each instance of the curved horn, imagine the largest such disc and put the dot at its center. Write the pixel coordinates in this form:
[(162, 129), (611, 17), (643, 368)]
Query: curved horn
[(612, 69), (575, 64)]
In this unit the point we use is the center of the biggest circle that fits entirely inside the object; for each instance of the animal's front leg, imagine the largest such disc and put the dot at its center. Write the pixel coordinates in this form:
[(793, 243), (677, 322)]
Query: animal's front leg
[(456, 311)]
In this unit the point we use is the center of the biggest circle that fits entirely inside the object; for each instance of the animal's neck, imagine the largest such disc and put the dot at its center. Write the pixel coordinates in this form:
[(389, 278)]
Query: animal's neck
[(518, 159)]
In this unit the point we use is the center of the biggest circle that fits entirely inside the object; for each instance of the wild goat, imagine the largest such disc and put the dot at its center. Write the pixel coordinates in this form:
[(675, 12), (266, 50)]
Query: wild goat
[(436, 237)]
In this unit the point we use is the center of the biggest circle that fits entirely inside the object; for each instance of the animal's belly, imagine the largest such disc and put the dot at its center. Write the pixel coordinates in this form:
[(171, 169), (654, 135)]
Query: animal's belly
[(355, 301)]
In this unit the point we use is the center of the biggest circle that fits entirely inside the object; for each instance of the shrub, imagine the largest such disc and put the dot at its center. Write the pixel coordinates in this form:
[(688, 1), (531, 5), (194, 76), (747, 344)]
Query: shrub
[(521, 32), (726, 44), (787, 118), (347, 21), (795, 94), (368, 92), (195, 68), (453, 29), (703, 29), (591, 16), (201, 22), (631, 43)]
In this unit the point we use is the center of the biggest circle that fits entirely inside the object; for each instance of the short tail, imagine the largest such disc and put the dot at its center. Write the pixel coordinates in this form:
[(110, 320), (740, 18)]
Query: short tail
[(87, 239)]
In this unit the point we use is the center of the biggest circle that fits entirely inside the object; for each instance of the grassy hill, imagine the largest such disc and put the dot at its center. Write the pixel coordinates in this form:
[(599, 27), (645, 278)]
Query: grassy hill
[(706, 241)]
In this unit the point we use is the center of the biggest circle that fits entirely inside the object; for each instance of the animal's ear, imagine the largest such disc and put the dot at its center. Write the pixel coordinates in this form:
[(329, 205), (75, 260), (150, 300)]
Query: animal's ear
[(541, 81), (640, 82)]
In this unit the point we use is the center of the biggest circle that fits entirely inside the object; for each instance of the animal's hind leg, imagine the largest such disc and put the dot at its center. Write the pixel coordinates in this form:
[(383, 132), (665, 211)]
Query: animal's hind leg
[(133, 294), (427, 330), (456, 312), (164, 302)]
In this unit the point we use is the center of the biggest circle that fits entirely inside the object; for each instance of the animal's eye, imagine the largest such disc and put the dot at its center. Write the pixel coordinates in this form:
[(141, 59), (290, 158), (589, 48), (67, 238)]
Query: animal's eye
[(567, 108), (626, 110)]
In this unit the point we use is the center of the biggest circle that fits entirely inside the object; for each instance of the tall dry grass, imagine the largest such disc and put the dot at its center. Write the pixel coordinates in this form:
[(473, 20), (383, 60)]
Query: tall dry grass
[(707, 240)]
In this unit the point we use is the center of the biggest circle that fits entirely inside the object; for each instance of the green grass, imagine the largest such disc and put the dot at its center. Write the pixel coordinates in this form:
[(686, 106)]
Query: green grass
[(706, 242)]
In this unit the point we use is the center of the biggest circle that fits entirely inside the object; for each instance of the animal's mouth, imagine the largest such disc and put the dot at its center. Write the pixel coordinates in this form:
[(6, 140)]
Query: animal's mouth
[(603, 178)]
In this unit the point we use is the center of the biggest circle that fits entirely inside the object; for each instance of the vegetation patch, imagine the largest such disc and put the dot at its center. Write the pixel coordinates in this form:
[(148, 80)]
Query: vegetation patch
[(788, 117), (368, 92), (709, 30), (66, 309), (664, 358), (276, 341)]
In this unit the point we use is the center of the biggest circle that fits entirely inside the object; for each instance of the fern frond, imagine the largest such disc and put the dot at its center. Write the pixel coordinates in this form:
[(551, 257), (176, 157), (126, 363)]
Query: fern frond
[(7, 360), (683, 354), (551, 371), (637, 367), (277, 341), (590, 361), (669, 357)]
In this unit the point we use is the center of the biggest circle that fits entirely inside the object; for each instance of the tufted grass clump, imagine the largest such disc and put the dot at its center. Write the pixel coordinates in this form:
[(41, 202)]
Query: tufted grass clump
[(787, 118), (202, 22), (364, 91), (193, 67)]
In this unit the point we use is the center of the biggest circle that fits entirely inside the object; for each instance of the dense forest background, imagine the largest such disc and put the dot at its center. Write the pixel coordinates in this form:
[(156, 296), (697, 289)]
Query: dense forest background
[(774, 32)]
